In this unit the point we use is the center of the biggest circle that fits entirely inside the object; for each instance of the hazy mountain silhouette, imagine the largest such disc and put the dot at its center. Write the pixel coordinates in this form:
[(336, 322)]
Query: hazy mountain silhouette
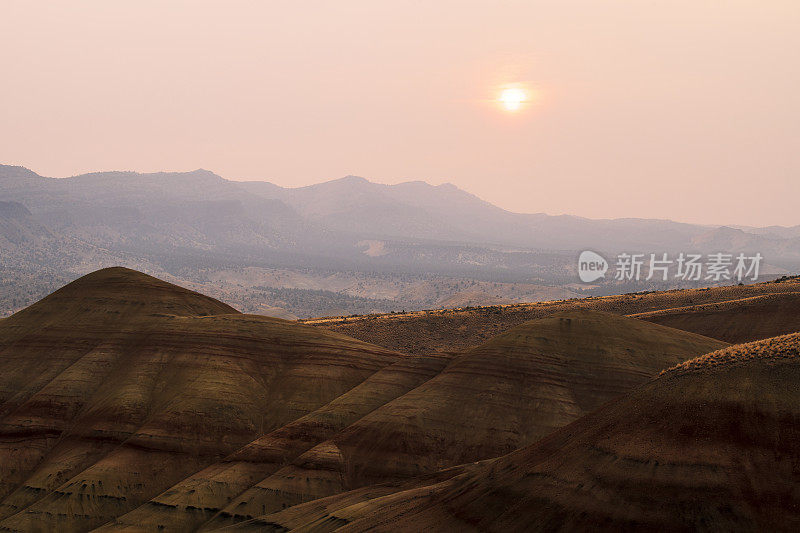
[(200, 210), (197, 226), (19, 228), (416, 209)]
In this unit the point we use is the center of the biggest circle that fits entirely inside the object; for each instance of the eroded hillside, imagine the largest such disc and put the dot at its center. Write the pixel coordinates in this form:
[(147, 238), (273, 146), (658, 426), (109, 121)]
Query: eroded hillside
[(698, 310), (128, 403), (710, 444)]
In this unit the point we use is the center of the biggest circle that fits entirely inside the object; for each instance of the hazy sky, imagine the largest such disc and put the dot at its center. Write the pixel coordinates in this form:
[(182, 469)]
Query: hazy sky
[(682, 109)]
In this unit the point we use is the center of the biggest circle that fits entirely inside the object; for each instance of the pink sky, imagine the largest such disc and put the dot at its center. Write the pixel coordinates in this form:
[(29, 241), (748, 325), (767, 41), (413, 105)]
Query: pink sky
[(682, 109)]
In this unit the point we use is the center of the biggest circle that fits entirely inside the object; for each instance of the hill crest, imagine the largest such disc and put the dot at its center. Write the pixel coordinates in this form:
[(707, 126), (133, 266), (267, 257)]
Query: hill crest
[(122, 293)]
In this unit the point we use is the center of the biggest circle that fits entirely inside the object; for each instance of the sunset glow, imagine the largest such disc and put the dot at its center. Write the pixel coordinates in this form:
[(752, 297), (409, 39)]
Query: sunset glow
[(623, 89), (512, 99)]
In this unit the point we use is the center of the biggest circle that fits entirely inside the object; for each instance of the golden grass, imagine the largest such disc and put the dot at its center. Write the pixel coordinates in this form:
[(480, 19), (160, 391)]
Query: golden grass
[(770, 351)]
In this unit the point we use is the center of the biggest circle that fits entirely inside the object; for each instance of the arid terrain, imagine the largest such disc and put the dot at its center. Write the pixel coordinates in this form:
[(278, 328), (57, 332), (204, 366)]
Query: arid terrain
[(709, 445), (130, 404), (735, 313), (342, 247), (400, 267)]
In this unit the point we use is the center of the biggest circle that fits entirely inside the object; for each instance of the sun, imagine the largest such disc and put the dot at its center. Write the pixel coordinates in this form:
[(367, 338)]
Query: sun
[(512, 99)]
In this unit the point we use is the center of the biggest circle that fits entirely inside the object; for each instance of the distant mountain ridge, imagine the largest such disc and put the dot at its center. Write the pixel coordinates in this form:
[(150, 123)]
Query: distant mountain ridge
[(188, 224), (18, 227), (352, 206), (420, 210)]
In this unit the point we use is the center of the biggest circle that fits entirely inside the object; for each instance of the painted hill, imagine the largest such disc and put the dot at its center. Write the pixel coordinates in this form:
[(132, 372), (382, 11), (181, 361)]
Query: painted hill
[(129, 403), (735, 321), (120, 385), (198, 498), (487, 402), (710, 445), (511, 390), (461, 329)]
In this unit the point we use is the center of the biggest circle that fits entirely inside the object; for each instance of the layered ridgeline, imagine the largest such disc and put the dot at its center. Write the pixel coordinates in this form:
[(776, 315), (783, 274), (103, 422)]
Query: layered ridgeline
[(131, 402), (737, 320), (120, 385), (343, 247), (170, 211), (712, 444), (200, 497), (480, 404), (739, 313)]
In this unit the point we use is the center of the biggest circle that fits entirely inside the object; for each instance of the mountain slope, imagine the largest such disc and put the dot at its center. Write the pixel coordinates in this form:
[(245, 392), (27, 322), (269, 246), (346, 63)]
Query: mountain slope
[(710, 445), (509, 392), (198, 208), (194, 225), (18, 228), (119, 385), (418, 210), (734, 241), (156, 212), (460, 329), (197, 498), (412, 210), (735, 321)]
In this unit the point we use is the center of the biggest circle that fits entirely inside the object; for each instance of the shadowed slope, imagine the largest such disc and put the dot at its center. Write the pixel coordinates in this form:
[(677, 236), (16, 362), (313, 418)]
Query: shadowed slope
[(196, 499), (712, 444), (88, 316), (489, 401), (113, 295), (116, 387)]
